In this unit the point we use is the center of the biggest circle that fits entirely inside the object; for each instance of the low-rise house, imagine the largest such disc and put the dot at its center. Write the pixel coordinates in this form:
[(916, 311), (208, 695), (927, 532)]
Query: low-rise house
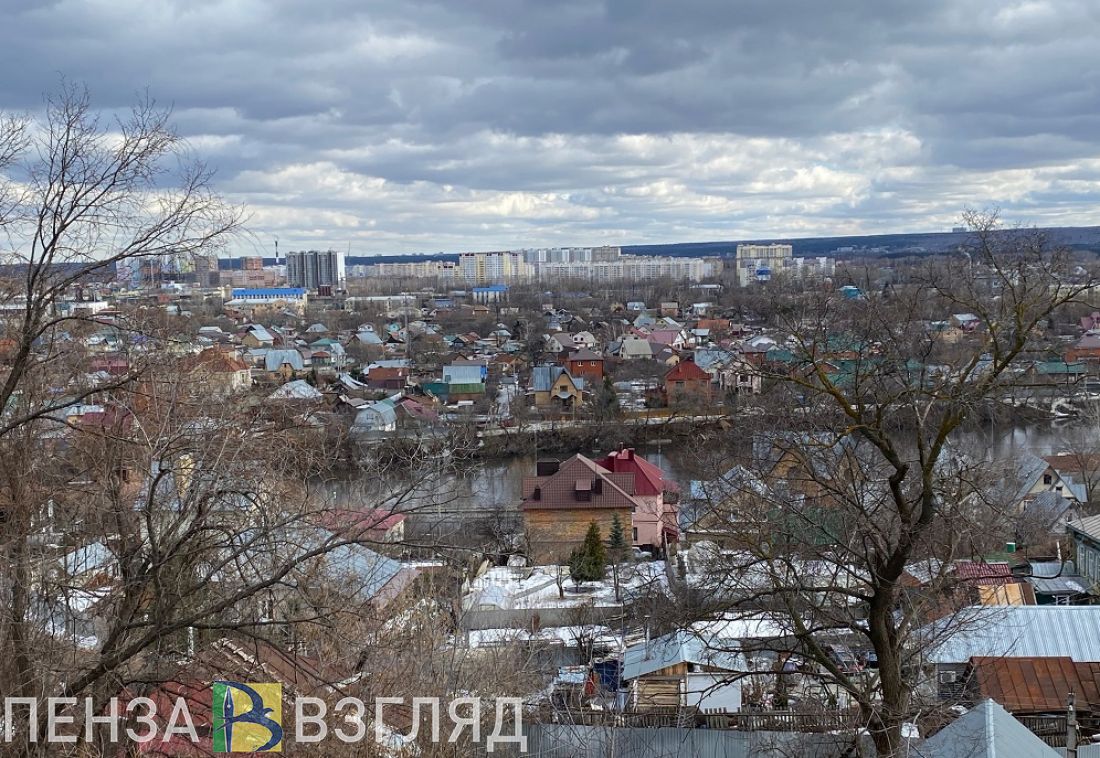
[(586, 364), (687, 383), (1008, 631), (656, 523), (1085, 349), (561, 500), (387, 375), (674, 338), (583, 340), (283, 364), (968, 322), (555, 387), (258, 336), (375, 418), (298, 390), (221, 372), (1086, 543), (632, 348), (680, 670), (1037, 686), (330, 357)]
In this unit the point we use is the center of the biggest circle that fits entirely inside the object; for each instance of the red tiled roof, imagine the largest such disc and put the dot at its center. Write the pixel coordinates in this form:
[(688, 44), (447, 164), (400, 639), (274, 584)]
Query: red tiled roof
[(986, 574), (560, 490), (648, 478), (686, 371)]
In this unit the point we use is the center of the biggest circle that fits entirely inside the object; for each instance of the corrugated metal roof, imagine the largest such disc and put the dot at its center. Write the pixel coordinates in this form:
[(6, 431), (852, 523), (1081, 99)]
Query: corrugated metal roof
[(679, 647), (1072, 631), (1090, 525), (1033, 685), (985, 731)]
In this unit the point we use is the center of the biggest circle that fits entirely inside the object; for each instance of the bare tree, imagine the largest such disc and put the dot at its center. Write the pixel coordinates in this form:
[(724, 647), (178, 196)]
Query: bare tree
[(856, 479)]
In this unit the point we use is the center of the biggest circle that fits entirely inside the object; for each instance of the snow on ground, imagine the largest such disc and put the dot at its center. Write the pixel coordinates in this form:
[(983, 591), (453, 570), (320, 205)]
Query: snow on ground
[(508, 588), (601, 636)]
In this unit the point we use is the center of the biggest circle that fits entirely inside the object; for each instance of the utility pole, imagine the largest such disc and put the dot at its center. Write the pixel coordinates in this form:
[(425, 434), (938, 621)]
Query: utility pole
[(1071, 727)]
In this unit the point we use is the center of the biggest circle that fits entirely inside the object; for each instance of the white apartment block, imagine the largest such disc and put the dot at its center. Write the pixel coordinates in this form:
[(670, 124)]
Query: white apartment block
[(539, 255), (633, 267), (760, 263), (443, 271), (490, 268)]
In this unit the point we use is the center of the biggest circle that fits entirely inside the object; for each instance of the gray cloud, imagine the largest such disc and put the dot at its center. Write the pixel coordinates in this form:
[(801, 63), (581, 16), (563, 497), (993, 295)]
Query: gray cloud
[(431, 125)]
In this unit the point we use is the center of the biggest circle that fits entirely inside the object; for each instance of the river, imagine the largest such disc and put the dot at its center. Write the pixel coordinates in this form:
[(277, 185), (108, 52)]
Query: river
[(477, 502)]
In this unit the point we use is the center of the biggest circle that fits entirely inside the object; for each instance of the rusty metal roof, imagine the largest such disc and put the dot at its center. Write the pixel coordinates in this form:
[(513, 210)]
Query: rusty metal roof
[(1033, 685)]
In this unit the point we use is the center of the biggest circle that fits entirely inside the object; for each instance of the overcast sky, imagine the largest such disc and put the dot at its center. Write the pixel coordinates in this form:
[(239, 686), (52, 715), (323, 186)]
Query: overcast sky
[(412, 125)]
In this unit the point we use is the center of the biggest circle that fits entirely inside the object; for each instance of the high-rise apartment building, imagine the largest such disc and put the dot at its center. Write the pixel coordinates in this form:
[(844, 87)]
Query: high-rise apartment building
[(252, 263), (603, 254), (316, 268), (490, 268), (761, 263), (206, 271), (757, 263)]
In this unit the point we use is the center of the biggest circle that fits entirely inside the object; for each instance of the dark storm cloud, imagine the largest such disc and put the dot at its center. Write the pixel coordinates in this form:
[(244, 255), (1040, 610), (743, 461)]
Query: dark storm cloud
[(475, 124)]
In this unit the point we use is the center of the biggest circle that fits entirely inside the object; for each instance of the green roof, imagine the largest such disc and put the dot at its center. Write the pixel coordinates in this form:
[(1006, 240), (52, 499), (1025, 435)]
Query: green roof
[(467, 389), (1059, 367)]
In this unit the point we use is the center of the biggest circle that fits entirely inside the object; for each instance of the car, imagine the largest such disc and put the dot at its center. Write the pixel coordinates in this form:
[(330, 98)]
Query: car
[(843, 657), (869, 659)]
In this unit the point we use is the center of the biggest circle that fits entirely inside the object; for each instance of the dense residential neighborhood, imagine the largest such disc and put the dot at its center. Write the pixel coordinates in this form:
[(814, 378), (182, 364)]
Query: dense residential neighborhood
[(657, 597), (572, 380)]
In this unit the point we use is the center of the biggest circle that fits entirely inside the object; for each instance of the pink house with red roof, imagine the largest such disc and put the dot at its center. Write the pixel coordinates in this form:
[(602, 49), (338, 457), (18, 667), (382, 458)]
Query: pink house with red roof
[(656, 522)]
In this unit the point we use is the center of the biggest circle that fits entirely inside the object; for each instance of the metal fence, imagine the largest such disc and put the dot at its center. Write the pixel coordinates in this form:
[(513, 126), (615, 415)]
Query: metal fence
[(571, 741)]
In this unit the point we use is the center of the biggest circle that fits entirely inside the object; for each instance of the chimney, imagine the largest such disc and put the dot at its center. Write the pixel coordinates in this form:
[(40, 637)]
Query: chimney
[(547, 467)]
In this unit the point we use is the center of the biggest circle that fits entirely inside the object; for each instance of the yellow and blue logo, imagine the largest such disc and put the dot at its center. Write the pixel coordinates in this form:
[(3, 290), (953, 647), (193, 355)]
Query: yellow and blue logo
[(248, 718)]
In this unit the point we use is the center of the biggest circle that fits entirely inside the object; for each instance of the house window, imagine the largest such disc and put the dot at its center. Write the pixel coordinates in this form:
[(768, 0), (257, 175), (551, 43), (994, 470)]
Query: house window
[(1048, 479), (634, 534)]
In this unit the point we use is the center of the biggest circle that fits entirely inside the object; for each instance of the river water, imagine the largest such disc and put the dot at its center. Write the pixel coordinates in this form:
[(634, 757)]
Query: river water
[(469, 503)]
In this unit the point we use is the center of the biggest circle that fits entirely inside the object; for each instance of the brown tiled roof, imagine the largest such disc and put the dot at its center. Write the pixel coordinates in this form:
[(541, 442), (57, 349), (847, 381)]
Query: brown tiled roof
[(559, 490), (213, 359), (1024, 685), (1073, 464)]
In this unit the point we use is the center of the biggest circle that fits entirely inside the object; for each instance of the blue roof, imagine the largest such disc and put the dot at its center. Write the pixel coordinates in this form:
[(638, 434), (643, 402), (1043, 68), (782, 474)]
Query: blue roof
[(269, 292), (492, 288)]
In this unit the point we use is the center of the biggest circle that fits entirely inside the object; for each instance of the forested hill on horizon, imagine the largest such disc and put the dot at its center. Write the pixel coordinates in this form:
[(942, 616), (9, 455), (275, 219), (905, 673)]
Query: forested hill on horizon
[(852, 246)]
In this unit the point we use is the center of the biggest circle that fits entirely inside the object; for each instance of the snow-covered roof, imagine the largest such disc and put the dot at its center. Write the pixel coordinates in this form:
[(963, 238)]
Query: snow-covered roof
[(299, 389)]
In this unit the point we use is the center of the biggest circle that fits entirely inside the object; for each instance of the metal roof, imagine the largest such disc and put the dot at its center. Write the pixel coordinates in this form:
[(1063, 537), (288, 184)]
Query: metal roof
[(269, 292), (679, 647), (1090, 526), (1027, 631), (985, 731)]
